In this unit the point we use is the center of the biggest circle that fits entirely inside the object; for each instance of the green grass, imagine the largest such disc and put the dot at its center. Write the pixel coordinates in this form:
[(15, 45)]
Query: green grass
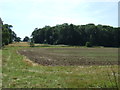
[(19, 74)]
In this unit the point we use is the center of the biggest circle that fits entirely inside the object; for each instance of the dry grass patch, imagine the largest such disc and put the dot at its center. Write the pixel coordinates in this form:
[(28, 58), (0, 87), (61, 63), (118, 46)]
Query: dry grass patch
[(29, 62), (20, 44)]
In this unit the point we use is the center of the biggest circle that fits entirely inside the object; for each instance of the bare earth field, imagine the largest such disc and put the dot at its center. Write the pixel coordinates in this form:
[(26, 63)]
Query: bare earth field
[(71, 56)]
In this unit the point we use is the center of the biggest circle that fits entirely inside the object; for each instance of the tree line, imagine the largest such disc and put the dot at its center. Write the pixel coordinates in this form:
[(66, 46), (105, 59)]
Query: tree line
[(70, 34), (8, 36)]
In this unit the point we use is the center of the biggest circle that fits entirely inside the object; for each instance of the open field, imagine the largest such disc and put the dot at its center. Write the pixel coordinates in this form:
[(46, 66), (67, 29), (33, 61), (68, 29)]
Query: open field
[(20, 72), (72, 56)]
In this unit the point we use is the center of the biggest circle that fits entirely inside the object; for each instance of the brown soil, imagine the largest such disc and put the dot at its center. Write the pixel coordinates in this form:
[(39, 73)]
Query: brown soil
[(65, 57)]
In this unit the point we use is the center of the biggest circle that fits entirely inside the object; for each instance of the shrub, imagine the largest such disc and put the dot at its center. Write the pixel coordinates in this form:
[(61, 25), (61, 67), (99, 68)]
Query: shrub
[(32, 44), (88, 44)]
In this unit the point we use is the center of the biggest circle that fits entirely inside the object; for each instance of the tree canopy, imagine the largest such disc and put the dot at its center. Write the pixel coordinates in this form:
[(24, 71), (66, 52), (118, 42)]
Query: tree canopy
[(26, 39), (70, 34), (8, 36)]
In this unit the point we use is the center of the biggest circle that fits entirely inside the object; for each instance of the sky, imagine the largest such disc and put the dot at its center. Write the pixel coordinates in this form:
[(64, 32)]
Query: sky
[(26, 15)]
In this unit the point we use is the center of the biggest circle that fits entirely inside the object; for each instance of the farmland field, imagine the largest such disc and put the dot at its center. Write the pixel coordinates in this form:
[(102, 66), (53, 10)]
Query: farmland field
[(72, 56), (59, 67)]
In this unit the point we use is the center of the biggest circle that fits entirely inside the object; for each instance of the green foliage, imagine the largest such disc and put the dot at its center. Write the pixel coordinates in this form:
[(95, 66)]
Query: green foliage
[(17, 39), (88, 44), (8, 36), (69, 34), (26, 39)]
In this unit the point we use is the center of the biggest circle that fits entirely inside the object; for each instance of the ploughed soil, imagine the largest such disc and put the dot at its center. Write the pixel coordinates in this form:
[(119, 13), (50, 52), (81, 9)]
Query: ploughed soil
[(71, 56)]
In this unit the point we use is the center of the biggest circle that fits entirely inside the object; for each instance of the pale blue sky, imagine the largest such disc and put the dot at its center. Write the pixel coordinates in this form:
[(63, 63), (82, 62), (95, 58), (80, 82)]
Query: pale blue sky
[(25, 15)]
